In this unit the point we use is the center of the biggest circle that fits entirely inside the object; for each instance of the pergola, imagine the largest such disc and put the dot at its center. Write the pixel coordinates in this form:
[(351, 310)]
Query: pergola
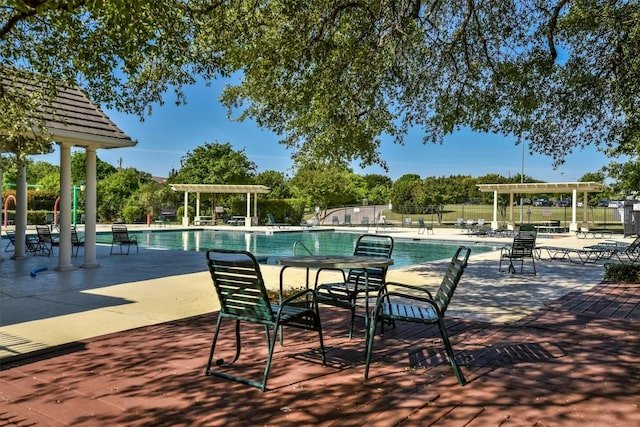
[(226, 189), (72, 121), (543, 187)]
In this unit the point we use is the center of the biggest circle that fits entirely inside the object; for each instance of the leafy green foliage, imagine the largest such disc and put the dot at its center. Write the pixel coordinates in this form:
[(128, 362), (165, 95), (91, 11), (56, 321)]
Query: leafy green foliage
[(276, 181), (619, 272), (215, 163), (115, 190), (324, 185)]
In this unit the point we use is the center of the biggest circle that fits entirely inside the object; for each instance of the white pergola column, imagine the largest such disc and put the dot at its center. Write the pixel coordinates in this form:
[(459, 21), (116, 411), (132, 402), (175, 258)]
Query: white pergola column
[(90, 211), (511, 225), (64, 248), (585, 211), (185, 215), (247, 219), (494, 221), (21, 211), (255, 207), (197, 204), (574, 210)]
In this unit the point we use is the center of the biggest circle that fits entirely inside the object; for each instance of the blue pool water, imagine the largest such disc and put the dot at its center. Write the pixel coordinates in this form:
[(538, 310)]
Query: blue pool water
[(405, 252)]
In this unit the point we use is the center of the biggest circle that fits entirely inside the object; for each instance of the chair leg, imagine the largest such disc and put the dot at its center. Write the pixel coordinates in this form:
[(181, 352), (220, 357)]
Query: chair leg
[(271, 343), (450, 353), (369, 345)]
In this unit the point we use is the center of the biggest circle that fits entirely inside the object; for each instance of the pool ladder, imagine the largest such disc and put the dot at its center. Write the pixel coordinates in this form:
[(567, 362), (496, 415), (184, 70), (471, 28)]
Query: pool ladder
[(295, 247)]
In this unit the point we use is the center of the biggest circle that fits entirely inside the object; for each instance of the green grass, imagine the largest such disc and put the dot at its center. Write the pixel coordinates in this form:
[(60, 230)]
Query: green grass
[(598, 217)]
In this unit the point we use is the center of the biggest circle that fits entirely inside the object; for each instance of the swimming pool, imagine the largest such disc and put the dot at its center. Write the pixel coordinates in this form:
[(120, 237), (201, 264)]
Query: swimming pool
[(274, 245)]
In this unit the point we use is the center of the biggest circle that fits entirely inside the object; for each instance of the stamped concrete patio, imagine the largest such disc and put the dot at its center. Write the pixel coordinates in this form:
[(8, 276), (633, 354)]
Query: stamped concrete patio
[(126, 344)]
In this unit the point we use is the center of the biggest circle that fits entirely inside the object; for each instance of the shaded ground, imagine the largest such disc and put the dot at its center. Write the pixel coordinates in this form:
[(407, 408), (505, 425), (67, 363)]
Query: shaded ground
[(575, 361)]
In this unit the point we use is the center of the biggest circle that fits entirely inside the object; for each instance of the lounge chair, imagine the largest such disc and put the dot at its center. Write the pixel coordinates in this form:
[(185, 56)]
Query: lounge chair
[(469, 225), (622, 251), (77, 242), (346, 294), (271, 222), (30, 242), (347, 219), (243, 298), (523, 247), (415, 304), (46, 242), (121, 238), (424, 228), (382, 220), (306, 224), (11, 236), (459, 223), (335, 220)]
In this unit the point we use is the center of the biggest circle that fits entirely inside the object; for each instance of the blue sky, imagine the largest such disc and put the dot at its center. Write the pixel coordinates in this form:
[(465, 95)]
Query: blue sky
[(171, 131)]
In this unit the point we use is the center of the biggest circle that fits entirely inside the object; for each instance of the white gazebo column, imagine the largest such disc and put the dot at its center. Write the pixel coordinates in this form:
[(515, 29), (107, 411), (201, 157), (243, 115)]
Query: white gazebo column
[(90, 210), (574, 208), (21, 211), (197, 204), (494, 221), (64, 248), (247, 219), (185, 215)]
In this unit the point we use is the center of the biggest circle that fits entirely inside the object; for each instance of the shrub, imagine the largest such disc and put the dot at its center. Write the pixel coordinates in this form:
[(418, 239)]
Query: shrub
[(619, 272)]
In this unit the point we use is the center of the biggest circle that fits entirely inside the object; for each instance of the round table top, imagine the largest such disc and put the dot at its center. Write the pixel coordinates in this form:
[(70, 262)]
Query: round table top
[(334, 261)]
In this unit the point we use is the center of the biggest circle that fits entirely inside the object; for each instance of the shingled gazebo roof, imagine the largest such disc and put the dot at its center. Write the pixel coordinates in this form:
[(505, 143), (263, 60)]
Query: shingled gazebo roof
[(73, 118)]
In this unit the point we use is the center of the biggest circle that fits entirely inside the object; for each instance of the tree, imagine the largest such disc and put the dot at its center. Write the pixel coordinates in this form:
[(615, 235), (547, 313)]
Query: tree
[(331, 77), (277, 182), (153, 197), (215, 163), (560, 74), (125, 55), (405, 190), (324, 185), (79, 167), (115, 192)]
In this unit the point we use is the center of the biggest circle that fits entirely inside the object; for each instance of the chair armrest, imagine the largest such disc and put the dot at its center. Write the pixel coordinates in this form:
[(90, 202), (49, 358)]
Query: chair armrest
[(384, 291), (419, 294), (344, 276)]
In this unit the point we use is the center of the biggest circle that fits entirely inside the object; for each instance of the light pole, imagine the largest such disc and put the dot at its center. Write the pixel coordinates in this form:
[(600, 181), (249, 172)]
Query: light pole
[(522, 182), (75, 202)]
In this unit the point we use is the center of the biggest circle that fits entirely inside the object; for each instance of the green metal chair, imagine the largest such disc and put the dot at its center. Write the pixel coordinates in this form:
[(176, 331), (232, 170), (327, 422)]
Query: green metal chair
[(346, 294), (523, 247), (243, 297), (415, 304), (122, 238)]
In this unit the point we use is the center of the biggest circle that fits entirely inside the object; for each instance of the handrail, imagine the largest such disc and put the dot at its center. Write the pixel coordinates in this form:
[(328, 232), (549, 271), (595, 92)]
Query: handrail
[(298, 242)]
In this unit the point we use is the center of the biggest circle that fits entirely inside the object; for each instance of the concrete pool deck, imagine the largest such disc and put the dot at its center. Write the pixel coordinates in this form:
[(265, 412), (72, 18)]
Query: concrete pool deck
[(59, 307)]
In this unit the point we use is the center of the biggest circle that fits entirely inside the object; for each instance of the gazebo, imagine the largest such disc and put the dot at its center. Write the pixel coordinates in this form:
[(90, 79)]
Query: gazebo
[(543, 187), (250, 219), (72, 121)]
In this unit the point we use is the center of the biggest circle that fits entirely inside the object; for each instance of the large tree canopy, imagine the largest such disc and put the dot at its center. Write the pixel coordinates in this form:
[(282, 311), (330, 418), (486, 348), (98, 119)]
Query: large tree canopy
[(333, 76)]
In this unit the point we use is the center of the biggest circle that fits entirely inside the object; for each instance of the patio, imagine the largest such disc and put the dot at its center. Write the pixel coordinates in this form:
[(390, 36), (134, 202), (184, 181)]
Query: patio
[(132, 347), (573, 362)]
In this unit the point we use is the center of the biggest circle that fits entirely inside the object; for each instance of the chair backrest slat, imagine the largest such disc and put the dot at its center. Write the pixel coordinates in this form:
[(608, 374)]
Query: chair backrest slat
[(239, 284), (452, 278), (523, 245), (120, 233), (373, 245)]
